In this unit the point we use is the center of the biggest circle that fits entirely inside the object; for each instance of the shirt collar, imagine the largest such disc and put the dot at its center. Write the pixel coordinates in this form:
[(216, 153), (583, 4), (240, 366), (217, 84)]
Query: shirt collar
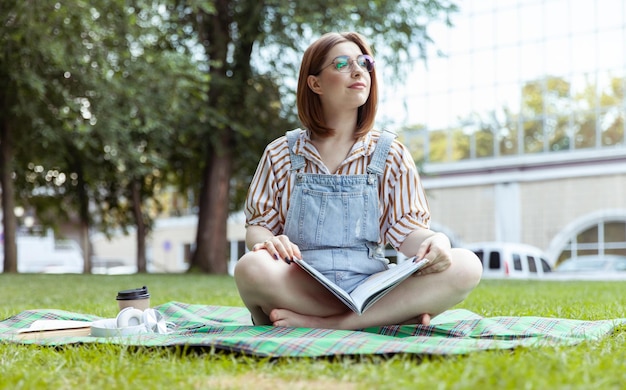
[(364, 146)]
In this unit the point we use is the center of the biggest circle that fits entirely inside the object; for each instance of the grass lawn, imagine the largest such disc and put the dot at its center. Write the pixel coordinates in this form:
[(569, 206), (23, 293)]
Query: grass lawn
[(600, 364)]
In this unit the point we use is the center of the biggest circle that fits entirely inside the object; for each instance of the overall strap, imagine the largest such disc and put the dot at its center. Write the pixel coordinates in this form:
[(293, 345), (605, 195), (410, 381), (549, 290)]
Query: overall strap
[(377, 164), (297, 161)]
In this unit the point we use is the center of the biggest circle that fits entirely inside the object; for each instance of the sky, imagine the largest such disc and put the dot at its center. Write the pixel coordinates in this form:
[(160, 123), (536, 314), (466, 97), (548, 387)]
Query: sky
[(495, 46)]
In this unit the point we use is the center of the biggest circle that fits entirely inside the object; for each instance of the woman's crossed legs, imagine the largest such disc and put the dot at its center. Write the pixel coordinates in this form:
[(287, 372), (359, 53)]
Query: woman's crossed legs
[(281, 294)]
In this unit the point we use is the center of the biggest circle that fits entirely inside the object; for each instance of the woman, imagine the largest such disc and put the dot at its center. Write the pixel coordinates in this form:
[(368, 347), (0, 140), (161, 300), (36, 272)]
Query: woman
[(334, 193)]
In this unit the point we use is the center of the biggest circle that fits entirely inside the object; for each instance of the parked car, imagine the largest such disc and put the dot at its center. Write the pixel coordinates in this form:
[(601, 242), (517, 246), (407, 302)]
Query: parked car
[(510, 260), (600, 267)]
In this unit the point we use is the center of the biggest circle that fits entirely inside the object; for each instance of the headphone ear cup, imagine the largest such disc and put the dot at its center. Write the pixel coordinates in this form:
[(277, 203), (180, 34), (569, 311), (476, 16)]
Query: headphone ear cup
[(129, 316), (153, 320)]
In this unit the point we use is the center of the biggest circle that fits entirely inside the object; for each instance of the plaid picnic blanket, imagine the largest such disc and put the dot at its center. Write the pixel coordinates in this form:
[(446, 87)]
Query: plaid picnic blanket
[(229, 329)]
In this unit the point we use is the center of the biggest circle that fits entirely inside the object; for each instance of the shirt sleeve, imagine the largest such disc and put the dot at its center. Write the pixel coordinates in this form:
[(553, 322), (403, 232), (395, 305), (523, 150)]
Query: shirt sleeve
[(405, 207), (262, 206)]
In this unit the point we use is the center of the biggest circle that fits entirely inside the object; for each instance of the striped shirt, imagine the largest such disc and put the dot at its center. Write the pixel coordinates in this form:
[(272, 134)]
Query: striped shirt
[(402, 201)]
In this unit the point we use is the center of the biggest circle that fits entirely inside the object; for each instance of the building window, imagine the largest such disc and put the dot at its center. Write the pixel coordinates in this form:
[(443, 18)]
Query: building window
[(606, 237)]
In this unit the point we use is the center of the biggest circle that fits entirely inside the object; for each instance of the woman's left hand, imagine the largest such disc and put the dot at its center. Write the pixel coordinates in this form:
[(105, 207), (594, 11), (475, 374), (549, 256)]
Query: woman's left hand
[(436, 249)]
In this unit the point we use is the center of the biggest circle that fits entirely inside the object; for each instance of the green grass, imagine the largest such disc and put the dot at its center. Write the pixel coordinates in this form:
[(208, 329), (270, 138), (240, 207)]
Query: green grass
[(600, 364)]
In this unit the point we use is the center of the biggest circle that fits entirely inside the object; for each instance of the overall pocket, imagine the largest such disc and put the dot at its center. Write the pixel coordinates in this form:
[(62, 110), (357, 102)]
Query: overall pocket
[(333, 219)]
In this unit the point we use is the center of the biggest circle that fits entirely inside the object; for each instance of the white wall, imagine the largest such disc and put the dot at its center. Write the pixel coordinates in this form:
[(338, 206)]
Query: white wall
[(165, 245)]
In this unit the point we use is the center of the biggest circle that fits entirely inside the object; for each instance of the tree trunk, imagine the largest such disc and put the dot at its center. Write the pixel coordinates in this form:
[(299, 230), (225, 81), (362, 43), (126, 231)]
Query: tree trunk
[(83, 212), (9, 221), (211, 239), (86, 245), (210, 255), (141, 226)]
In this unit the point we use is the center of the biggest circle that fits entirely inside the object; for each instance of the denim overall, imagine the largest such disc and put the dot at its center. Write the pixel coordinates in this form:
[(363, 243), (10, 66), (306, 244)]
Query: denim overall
[(334, 219)]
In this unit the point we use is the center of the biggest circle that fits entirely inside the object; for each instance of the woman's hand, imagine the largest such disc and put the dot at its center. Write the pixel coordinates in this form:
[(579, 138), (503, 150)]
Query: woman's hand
[(436, 249), (280, 247)]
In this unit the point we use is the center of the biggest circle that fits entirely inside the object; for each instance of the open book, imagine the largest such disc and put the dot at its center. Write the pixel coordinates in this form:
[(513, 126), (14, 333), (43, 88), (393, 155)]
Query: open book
[(371, 289)]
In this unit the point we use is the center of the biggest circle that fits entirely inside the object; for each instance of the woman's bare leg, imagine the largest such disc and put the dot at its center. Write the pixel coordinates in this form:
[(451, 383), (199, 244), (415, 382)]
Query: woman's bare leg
[(265, 284), (429, 294)]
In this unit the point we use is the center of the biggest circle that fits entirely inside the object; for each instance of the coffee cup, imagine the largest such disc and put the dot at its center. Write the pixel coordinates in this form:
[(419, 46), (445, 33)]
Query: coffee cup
[(139, 298)]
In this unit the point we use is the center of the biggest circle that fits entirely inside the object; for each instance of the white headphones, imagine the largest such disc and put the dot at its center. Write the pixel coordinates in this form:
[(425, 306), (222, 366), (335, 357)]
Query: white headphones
[(130, 321), (149, 319), (129, 316)]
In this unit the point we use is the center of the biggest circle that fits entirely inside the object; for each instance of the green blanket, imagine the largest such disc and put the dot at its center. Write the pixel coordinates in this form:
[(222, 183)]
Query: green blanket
[(229, 329)]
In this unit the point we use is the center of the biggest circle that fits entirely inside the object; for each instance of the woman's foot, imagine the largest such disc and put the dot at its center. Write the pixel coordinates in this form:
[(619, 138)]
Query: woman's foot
[(288, 318), (422, 319)]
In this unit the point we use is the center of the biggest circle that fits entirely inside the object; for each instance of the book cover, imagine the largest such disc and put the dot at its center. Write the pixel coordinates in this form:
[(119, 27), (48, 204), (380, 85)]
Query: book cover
[(41, 329)]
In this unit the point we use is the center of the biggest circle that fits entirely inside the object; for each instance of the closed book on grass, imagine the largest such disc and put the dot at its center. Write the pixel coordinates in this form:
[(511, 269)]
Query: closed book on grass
[(42, 329), (371, 289)]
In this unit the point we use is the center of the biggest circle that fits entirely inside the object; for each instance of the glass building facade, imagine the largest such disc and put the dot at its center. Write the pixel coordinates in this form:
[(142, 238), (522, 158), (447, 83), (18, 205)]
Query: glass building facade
[(520, 79)]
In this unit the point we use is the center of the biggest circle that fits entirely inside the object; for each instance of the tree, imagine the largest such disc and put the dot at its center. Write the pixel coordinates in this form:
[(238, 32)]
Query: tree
[(244, 41), (9, 222), (34, 92), (53, 57), (144, 120), (89, 112)]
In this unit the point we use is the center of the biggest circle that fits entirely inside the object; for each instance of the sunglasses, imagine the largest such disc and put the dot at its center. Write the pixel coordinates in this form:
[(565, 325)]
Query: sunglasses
[(344, 64)]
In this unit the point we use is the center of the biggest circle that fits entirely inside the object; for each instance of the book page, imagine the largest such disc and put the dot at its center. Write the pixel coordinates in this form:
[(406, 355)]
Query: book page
[(48, 325), (377, 285)]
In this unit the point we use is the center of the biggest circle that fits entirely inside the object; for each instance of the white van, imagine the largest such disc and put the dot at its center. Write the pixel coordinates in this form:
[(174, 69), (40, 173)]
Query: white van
[(510, 260)]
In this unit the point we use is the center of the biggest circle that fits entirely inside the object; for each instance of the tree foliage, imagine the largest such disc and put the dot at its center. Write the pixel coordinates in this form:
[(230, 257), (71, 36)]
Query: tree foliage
[(86, 95)]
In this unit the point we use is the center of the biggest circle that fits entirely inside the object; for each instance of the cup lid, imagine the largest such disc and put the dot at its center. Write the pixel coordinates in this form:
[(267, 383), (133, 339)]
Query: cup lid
[(135, 293)]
